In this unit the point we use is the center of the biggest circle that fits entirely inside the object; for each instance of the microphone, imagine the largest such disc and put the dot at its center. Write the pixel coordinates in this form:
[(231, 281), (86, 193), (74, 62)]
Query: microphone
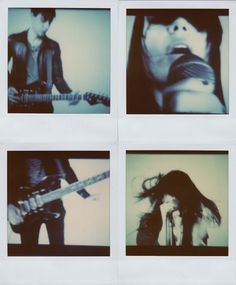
[(191, 66), (188, 75)]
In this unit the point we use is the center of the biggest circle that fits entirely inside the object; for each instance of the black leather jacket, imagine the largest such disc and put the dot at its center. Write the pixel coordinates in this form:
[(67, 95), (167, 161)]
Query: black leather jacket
[(18, 52)]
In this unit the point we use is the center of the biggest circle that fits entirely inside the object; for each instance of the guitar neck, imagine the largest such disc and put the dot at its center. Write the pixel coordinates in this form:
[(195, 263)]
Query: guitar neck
[(34, 98), (90, 97), (59, 193)]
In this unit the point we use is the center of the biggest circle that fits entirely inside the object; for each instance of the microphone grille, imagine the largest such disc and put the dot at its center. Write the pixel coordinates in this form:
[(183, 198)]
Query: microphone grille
[(190, 66)]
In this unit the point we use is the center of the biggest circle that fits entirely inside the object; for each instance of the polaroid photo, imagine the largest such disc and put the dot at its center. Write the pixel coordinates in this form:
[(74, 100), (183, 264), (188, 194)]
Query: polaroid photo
[(177, 59), (59, 59), (58, 203), (177, 203)]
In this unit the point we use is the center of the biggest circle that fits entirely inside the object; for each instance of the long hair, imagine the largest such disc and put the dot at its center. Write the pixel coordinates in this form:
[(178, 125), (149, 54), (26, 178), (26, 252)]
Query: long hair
[(191, 201), (140, 99)]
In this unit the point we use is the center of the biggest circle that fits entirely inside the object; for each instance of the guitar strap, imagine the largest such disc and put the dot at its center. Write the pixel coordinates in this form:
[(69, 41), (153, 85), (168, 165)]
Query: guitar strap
[(49, 68)]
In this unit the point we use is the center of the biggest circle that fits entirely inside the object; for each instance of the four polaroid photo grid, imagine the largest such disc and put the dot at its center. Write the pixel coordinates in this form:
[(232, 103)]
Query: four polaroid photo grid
[(154, 192)]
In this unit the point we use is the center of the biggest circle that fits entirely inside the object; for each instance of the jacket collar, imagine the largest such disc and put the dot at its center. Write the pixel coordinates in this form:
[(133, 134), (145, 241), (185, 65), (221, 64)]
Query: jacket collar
[(45, 40)]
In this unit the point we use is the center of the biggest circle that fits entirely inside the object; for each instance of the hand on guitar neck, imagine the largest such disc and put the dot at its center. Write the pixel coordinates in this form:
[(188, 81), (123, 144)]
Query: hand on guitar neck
[(76, 98)]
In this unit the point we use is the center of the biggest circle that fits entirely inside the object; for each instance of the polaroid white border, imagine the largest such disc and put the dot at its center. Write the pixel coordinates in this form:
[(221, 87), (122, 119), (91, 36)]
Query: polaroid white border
[(59, 269), (58, 127), (104, 4), (124, 5), (178, 269), (117, 132)]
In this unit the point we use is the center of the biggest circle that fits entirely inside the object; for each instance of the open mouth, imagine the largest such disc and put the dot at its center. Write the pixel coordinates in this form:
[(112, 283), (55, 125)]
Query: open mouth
[(180, 49)]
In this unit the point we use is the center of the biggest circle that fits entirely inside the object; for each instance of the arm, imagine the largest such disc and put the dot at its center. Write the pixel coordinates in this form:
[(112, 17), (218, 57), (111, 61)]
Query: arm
[(71, 177), (11, 89), (58, 77), (192, 96), (148, 230)]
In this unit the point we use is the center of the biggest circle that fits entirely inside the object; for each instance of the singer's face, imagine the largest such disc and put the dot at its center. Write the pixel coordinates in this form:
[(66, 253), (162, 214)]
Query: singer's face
[(164, 43), (171, 202)]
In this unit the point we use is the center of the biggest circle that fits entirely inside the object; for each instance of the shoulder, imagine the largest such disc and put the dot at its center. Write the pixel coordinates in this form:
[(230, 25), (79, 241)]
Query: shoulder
[(22, 36), (52, 44), (200, 232)]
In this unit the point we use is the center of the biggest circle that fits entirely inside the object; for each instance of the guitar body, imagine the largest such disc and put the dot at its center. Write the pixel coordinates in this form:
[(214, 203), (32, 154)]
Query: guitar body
[(40, 217), (31, 107), (31, 212)]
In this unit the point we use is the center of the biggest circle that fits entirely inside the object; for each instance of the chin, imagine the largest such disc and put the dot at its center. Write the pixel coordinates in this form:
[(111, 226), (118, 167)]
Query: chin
[(41, 35)]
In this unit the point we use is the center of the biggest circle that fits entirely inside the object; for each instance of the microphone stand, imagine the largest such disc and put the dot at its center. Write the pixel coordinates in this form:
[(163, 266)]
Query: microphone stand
[(170, 241)]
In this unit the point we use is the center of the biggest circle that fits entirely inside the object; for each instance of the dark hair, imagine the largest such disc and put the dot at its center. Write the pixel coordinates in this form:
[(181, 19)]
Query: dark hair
[(140, 99), (48, 13), (178, 184)]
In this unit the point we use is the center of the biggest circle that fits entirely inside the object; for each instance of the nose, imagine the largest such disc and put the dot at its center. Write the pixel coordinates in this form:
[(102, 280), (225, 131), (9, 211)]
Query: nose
[(180, 25)]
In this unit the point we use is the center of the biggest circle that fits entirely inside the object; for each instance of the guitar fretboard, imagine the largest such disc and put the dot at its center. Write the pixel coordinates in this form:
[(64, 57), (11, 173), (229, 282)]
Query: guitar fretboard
[(34, 98), (58, 193), (91, 98)]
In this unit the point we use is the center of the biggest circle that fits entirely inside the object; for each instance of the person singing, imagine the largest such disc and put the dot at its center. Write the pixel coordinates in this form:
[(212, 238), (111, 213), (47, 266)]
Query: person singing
[(159, 38), (181, 214)]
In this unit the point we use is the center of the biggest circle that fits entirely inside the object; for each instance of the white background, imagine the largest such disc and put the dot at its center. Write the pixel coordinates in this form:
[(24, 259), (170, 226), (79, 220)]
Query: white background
[(118, 132)]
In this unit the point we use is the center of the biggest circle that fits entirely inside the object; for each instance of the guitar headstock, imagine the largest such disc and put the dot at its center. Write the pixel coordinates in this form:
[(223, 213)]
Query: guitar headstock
[(93, 99)]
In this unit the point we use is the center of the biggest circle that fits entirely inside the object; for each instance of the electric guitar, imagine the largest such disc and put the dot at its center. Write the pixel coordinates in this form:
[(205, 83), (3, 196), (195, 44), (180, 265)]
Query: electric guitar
[(36, 93), (28, 204)]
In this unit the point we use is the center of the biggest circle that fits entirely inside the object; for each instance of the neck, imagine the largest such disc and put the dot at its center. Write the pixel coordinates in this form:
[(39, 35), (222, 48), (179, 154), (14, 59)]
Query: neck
[(33, 39)]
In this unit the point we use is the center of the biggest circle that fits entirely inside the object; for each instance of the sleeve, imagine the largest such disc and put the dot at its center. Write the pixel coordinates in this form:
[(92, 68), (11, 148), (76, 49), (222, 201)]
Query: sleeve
[(148, 230), (14, 172), (71, 177), (58, 77), (10, 60)]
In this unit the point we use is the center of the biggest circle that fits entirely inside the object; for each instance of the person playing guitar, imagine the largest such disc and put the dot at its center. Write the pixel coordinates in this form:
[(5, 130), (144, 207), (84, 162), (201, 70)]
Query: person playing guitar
[(34, 59), (26, 172)]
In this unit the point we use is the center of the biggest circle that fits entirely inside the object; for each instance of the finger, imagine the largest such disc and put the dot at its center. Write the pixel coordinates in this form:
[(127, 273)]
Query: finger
[(39, 201), (92, 198), (20, 218), (12, 91), (12, 96), (16, 218), (13, 99), (74, 102)]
